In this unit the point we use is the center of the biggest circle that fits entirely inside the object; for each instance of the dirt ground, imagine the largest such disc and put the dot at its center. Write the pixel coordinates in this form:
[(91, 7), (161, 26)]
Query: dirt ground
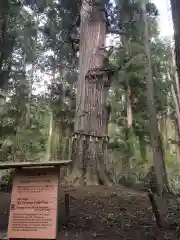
[(102, 213)]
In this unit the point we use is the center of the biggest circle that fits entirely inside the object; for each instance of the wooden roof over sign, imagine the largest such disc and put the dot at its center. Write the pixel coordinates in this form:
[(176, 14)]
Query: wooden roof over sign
[(10, 165)]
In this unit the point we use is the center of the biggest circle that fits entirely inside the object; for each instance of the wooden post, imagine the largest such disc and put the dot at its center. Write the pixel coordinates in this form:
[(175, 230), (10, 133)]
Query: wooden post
[(155, 209)]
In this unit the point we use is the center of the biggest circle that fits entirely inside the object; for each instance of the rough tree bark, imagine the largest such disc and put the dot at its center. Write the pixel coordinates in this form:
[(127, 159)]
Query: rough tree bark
[(175, 6), (175, 99), (175, 90), (156, 141), (89, 151)]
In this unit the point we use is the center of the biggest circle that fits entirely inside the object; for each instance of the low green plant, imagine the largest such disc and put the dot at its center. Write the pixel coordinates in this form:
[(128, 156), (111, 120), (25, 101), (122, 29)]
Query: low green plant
[(6, 181)]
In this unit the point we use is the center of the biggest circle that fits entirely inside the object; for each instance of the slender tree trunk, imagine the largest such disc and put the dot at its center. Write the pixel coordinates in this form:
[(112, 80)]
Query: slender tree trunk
[(49, 149), (31, 78), (143, 146), (66, 139), (55, 139), (175, 6), (125, 17), (175, 74), (129, 108), (58, 135), (166, 132), (175, 90), (175, 99), (2, 101), (90, 134), (177, 138), (128, 134), (49, 144), (156, 141), (28, 106)]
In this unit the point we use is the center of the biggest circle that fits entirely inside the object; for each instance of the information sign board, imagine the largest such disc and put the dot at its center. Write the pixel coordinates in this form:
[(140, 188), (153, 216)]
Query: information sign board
[(34, 204)]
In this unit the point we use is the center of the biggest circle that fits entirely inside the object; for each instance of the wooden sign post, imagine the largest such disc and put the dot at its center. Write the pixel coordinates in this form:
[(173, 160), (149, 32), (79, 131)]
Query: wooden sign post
[(34, 203)]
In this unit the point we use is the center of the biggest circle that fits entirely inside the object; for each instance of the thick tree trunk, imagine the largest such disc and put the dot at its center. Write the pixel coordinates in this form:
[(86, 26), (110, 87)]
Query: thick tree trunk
[(156, 143), (90, 139)]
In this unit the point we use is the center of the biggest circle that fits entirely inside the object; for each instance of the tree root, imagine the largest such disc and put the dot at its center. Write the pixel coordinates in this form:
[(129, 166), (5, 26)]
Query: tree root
[(75, 178), (89, 163), (85, 177)]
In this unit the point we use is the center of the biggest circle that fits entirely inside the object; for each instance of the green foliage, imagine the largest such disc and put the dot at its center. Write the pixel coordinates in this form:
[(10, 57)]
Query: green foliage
[(35, 45), (6, 180), (132, 75)]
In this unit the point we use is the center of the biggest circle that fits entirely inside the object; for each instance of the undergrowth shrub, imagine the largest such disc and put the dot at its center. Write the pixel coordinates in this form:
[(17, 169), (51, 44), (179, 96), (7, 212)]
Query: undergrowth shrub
[(6, 180)]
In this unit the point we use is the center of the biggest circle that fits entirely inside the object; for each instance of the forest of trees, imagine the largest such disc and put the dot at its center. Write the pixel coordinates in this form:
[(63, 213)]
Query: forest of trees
[(91, 81)]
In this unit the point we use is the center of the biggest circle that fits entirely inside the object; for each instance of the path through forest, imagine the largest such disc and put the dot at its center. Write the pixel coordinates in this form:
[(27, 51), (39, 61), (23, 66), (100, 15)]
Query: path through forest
[(102, 213)]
